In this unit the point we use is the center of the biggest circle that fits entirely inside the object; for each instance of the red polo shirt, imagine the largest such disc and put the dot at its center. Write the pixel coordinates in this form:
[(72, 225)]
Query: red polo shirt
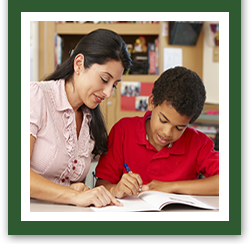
[(191, 154)]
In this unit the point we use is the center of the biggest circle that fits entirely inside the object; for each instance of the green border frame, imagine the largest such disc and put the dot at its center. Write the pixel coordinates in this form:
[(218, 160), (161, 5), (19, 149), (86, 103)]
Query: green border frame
[(18, 227)]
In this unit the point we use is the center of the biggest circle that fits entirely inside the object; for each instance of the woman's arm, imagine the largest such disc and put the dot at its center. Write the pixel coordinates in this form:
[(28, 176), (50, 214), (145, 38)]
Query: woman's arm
[(206, 186), (44, 189)]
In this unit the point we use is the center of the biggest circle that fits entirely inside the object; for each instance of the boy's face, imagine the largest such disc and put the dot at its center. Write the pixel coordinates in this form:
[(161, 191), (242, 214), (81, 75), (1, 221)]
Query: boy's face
[(166, 124)]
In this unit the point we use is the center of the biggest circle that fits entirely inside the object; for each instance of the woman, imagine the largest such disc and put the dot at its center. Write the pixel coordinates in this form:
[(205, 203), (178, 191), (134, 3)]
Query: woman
[(66, 124)]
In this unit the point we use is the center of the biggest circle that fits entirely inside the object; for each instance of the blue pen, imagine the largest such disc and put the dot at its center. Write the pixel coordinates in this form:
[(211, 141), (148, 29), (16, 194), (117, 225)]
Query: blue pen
[(129, 171), (127, 168)]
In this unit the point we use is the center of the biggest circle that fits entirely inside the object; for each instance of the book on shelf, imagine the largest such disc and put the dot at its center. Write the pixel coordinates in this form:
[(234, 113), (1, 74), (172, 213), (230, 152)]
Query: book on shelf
[(157, 56), (109, 22), (153, 57), (143, 62), (155, 201), (58, 50)]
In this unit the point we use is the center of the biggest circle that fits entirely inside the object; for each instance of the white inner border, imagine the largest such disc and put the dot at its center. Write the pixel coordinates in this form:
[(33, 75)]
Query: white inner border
[(223, 18)]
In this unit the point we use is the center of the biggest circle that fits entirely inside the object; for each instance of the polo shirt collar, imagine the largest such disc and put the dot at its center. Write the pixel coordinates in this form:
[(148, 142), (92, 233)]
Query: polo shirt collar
[(178, 147), (141, 130)]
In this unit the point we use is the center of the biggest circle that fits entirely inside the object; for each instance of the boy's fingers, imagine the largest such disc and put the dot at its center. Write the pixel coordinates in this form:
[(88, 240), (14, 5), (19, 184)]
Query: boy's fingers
[(131, 189), (132, 183), (137, 176), (135, 179)]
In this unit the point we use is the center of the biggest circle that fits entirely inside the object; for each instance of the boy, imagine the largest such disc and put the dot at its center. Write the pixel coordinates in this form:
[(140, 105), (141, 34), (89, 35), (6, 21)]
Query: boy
[(162, 152)]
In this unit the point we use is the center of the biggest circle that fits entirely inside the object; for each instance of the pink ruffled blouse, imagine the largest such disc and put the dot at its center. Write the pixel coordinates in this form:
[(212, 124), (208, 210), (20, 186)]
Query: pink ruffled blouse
[(58, 154)]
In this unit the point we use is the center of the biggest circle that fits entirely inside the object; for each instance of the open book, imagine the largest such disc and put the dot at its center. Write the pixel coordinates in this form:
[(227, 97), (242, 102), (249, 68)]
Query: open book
[(154, 201)]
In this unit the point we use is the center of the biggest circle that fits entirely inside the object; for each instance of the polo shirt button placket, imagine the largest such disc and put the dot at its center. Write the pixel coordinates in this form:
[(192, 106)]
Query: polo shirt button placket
[(75, 162), (65, 179)]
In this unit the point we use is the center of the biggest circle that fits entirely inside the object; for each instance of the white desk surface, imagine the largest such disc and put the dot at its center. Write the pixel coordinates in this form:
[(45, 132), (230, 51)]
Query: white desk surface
[(44, 206)]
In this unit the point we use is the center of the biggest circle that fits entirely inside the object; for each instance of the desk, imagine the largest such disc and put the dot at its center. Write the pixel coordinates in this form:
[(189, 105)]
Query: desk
[(43, 206)]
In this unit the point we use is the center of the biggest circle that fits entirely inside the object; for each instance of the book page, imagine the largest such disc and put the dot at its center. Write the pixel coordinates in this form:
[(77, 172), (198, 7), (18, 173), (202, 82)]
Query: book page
[(130, 204), (154, 201), (161, 199)]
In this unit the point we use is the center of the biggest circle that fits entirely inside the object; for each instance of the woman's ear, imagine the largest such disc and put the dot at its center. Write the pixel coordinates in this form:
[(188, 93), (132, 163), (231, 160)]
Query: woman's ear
[(79, 63), (150, 103)]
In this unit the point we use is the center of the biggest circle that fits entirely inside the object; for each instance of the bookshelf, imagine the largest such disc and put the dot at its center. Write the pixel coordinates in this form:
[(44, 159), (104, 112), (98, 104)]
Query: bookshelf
[(71, 33), (122, 29)]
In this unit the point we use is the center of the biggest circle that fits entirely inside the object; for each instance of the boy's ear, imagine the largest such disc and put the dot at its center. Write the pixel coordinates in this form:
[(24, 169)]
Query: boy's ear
[(150, 103)]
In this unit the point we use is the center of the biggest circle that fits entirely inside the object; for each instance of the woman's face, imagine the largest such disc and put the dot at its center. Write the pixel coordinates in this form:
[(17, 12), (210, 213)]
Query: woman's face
[(96, 83)]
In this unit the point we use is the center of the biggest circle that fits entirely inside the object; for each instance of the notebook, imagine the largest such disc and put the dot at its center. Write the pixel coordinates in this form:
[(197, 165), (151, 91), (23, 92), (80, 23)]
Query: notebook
[(155, 201)]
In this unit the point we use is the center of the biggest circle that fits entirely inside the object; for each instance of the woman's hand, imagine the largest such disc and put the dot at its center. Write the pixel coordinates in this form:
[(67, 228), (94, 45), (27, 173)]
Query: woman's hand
[(79, 186), (98, 196)]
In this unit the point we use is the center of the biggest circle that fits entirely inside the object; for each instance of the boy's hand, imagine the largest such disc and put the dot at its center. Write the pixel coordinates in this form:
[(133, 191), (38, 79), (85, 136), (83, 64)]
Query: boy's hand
[(129, 185), (156, 185)]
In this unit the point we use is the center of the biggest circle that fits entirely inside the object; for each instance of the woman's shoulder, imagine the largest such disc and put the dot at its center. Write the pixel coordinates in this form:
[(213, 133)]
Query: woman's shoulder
[(40, 88), (42, 85), (35, 90), (34, 85)]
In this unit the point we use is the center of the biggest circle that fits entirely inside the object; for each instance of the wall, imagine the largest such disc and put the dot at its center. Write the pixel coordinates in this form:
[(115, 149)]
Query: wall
[(210, 69), (34, 45)]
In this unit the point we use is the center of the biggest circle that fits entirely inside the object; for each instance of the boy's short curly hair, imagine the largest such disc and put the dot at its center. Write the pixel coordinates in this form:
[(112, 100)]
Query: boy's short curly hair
[(183, 89)]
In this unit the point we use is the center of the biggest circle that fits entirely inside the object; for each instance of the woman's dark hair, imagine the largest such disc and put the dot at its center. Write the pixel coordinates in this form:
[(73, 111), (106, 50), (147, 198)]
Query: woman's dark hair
[(183, 89), (99, 46)]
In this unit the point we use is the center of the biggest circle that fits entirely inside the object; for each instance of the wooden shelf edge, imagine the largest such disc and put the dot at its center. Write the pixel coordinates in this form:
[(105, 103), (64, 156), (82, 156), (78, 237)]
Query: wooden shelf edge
[(202, 121), (120, 28), (142, 78)]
